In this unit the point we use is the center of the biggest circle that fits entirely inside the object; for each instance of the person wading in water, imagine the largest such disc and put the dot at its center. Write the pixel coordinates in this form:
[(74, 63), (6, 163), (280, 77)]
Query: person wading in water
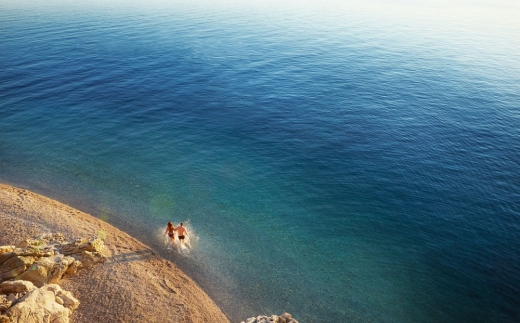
[(170, 229), (181, 232)]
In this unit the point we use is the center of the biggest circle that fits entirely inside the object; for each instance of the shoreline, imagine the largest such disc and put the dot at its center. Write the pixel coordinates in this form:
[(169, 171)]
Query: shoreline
[(136, 284)]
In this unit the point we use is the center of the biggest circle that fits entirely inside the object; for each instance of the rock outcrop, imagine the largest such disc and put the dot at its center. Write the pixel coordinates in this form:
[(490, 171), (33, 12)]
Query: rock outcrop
[(30, 271), (15, 287), (284, 318), (46, 260), (48, 304)]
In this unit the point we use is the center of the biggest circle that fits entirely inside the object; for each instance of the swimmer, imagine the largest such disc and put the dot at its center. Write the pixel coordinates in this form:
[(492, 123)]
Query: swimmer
[(170, 229), (181, 231)]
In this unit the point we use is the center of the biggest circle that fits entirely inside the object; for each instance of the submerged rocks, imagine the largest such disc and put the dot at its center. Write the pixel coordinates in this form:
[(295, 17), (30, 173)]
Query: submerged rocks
[(30, 270), (284, 318)]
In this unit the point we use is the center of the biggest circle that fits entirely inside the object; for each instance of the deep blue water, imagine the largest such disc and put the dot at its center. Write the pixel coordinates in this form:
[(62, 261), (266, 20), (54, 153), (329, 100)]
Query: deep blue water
[(344, 164)]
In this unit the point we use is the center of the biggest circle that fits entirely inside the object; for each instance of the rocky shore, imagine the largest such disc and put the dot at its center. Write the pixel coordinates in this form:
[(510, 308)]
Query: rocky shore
[(59, 265), (30, 273), (284, 318), (126, 281)]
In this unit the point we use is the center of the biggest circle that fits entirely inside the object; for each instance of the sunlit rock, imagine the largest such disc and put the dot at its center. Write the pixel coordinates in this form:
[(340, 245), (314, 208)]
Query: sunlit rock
[(14, 266), (17, 286), (284, 318), (5, 303), (40, 306)]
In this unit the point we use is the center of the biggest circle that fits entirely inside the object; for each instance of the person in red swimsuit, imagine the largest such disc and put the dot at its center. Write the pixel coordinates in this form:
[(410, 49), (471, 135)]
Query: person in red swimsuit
[(170, 229)]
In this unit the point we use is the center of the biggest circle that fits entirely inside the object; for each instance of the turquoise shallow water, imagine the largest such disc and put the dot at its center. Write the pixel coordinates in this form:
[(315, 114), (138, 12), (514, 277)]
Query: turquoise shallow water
[(349, 164)]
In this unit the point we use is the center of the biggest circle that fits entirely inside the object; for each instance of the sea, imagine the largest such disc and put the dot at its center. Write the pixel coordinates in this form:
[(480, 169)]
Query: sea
[(342, 161)]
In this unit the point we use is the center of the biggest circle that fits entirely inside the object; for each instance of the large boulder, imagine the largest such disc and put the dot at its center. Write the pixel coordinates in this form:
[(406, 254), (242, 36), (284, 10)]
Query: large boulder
[(16, 286), (40, 306), (14, 266), (68, 300), (47, 270), (60, 267), (6, 256), (89, 259), (39, 272)]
